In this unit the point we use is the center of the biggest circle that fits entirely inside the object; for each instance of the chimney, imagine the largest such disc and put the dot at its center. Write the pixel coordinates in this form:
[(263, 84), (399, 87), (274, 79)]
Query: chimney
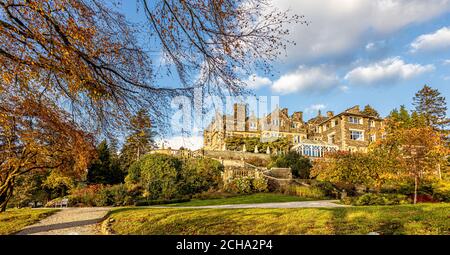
[(298, 116), (330, 114)]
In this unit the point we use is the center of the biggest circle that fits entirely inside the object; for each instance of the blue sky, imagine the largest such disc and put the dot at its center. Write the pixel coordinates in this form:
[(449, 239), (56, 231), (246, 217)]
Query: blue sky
[(377, 52)]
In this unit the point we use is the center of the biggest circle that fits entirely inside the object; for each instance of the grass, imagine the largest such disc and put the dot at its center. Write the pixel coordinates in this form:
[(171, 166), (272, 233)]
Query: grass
[(14, 220), (243, 199), (401, 219)]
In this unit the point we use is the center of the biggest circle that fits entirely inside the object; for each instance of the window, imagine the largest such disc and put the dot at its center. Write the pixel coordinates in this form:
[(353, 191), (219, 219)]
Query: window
[(372, 123), (354, 120), (336, 122), (331, 139), (275, 122), (356, 135), (373, 137)]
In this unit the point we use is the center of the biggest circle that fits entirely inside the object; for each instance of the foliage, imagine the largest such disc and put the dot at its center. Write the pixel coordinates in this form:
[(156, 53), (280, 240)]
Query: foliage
[(36, 136), (104, 169), (83, 196), (58, 183), (28, 189), (432, 106), (162, 176), (403, 119), (370, 169), (378, 199), (139, 141), (237, 144), (200, 174), (116, 195), (370, 111), (441, 191), (227, 36), (246, 185), (299, 164), (71, 69), (304, 191)]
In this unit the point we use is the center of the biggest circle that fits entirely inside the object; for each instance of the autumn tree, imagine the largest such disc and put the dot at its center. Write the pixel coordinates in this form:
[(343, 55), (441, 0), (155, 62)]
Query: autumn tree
[(79, 64), (370, 169), (432, 105), (35, 137), (418, 152), (208, 40)]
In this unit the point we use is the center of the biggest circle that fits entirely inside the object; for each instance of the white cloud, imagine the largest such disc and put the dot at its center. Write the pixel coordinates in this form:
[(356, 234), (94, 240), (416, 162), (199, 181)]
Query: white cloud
[(314, 108), (255, 82), (370, 46), (446, 62), (193, 142), (339, 26), (306, 79), (391, 69), (344, 88), (440, 39)]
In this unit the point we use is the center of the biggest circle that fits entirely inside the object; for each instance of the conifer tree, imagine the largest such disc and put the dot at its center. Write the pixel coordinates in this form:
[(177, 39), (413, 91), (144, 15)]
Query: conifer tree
[(370, 111), (431, 104)]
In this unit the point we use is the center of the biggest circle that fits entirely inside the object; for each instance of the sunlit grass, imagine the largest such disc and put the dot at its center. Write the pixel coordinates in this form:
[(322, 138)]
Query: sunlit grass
[(13, 220), (244, 199), (402, 219)]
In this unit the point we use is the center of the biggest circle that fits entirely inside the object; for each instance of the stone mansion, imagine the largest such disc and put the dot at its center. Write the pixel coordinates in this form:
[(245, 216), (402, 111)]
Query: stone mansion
[(350, 130)]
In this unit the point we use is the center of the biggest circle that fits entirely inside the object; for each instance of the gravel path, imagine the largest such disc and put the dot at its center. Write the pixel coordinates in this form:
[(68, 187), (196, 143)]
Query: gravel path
[(301, 204), (69, 221)]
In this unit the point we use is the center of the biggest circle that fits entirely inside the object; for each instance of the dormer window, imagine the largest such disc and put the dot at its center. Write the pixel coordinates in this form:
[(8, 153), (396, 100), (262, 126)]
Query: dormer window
[(354, 120)]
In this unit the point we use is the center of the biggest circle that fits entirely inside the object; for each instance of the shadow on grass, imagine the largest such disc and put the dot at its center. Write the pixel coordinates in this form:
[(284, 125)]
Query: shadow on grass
[(38, 229)]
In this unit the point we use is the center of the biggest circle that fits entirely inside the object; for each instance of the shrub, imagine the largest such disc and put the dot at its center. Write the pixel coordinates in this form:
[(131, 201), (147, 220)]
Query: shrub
[(246, 185), (327, 188), (260, 185), (441, 191), (159, 176), (300, 165), (116, 195), (199, 175), (85, 196), (304, 191), (378, 199)]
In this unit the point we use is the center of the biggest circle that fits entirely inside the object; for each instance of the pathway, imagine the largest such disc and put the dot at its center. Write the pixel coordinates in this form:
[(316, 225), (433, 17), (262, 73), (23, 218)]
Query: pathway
[(69, 221)]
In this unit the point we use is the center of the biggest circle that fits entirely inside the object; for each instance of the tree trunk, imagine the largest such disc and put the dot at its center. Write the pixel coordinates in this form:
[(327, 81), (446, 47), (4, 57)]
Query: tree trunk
[(439, 171), (415, 189), (5, 197)]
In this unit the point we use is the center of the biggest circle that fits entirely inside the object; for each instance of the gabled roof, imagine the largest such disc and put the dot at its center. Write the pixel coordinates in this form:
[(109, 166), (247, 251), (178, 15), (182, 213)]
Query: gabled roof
[(351, 111)]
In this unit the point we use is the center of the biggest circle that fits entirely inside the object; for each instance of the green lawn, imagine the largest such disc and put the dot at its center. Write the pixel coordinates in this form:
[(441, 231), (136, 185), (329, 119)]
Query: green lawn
[(244, 199), (402, 219), (13, 220)]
